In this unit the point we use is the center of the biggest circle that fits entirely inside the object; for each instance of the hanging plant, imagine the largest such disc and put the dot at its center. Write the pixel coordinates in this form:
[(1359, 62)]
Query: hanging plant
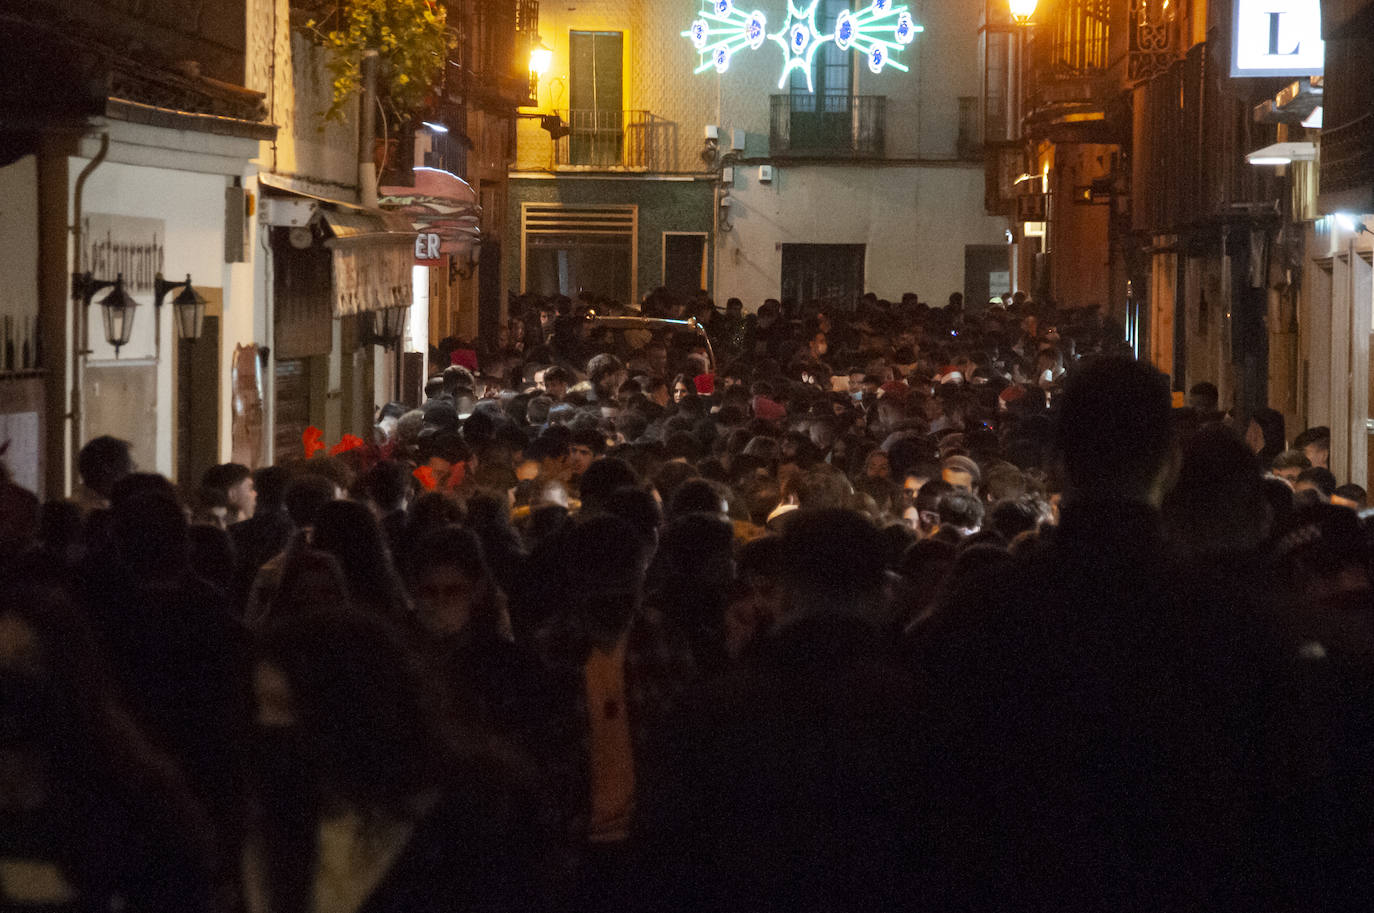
[(412, 41)]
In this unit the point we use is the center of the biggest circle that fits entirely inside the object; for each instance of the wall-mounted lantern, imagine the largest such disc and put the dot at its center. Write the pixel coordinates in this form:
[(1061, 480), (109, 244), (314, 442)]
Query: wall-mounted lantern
[(189, 306)]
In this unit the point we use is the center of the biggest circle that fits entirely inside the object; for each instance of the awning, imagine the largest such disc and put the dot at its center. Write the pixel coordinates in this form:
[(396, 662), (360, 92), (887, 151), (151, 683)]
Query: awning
[(441, 203), (371, 251)]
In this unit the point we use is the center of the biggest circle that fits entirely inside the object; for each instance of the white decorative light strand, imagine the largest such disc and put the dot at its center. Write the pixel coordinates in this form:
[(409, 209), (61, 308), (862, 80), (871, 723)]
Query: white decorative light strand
[(878, 32)]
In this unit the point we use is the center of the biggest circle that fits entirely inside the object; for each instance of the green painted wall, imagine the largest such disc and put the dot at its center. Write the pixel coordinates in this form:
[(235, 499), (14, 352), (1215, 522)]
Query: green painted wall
[(663, 206)]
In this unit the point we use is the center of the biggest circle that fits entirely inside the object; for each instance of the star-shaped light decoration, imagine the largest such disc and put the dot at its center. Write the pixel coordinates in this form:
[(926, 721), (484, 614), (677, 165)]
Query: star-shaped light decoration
[(800, 39)]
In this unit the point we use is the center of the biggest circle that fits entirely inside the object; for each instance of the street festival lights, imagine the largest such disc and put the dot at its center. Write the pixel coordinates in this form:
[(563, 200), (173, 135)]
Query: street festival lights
[(878, 31)]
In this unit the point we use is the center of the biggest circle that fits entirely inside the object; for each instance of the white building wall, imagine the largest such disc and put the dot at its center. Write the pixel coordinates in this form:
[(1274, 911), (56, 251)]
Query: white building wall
[(187, 196), (914, 219), (1338, 313)]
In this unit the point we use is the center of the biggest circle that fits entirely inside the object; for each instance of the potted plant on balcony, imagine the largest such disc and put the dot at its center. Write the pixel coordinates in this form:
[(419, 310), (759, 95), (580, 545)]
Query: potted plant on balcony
[(412, 40)]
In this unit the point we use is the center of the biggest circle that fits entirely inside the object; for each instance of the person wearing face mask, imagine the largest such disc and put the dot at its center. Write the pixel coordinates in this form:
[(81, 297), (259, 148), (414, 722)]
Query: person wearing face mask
[(490, 679)]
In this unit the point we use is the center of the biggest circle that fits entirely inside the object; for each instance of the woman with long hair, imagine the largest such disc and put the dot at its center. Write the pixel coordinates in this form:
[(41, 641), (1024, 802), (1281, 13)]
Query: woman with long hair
[(350, 532)]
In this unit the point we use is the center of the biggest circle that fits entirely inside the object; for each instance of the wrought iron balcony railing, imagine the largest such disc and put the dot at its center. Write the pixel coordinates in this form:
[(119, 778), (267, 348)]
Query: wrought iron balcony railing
[(629, 140), (828, 126)]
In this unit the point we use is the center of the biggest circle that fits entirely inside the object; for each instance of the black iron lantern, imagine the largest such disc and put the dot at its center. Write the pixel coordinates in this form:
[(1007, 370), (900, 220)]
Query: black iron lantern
[(118, 310), (188, 307), (390, 325)]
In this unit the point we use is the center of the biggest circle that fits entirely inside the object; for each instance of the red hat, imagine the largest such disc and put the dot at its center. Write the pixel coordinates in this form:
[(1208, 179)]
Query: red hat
[(706, 384), (465, 357), (897, 389), (768, 410)]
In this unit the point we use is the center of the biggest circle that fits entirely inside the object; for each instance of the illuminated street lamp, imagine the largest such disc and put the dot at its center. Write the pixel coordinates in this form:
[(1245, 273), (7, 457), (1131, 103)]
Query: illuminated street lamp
[(1022, 11), (541, 59)]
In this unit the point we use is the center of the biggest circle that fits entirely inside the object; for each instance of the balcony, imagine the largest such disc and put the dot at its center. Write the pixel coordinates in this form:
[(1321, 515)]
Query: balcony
[(1069, 83), (615, 140), (828, 126)]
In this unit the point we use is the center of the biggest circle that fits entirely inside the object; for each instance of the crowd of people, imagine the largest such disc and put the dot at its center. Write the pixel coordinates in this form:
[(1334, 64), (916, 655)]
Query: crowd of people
[(883, 607)]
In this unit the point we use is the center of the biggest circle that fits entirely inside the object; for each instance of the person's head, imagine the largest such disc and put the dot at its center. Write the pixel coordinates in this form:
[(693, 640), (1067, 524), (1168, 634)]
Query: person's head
[(1204, 397), (698, 496), (961, 510), (1322, 551), (637, 506), (451, 584), (604, 571), (1318, 480), (606, 373), (1351, 496), (818, 345), (602, 477), (102, 462), (367, 720), (235, 482), (151, 536), (833, 560), (1218, 503), (683, 387), (305, 495), (924, 514), (1265, 433), (1113, 432), (587, 444), (547, 457), (961, 472), (350, 532), (557, 380), (443, 451), (1011, 518), (877, 465), (1289, 465), (456, 378), (1315, 444), (387, 486), (270, 483), (311, 580)]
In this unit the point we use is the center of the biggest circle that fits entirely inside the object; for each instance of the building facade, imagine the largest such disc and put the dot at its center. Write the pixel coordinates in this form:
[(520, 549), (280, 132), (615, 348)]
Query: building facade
[(189, 140), (635, 171), (128, 138)]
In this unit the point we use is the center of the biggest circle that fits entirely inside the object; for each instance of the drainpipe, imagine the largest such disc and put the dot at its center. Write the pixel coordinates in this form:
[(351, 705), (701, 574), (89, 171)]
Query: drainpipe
[(80, 324), (367, 131)]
